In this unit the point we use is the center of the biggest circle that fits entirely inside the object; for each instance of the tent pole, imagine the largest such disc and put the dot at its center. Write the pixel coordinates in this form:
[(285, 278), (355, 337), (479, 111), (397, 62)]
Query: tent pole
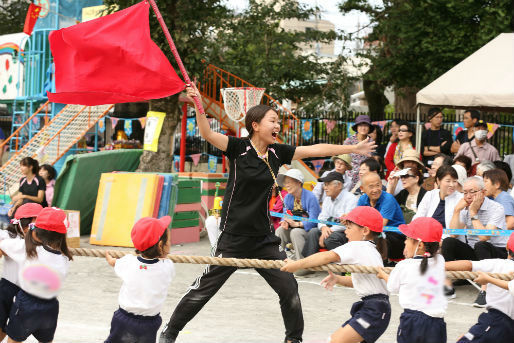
[(418, 130)]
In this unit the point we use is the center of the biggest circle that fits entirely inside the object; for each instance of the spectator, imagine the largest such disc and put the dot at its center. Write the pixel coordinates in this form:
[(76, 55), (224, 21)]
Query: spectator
[(410, 160), (376, 135), (392, 137), (484, 166), (496, 185), (476, 211), (436, 139), (32, 186), (276, 204), (405, 143), (343, 165), (411, 195), (298, 202), (470, 119), (439, 203), (338, 203), (461, 176), (439, 161), (369, 165), (386, 204), (362, 127), (478, 149), (48, 173), (506, 168), (465, 162)]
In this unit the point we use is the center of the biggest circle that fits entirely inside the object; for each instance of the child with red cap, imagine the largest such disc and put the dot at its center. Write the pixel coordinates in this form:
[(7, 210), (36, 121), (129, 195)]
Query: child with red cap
[(370, 317), (35, 309), (9, 285), (146, 279), (419, 282), (497, 324)]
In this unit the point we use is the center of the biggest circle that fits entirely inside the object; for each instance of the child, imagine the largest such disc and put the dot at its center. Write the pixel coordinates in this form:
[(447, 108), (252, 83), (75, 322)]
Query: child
[(9, 285), (48, 173), (497, 324), (370, 317), (35, 309), (146, 279), (419, 282)]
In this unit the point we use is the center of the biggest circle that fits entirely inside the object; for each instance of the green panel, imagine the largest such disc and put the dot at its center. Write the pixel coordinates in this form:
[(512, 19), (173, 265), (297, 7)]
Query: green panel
[(221, 192), (185, 223), (186, 215), (189, 195), (76, 187), (188, 183)]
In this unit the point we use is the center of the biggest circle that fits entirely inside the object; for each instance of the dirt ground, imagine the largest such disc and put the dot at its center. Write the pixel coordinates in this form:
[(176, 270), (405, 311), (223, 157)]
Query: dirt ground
[(245, 310)]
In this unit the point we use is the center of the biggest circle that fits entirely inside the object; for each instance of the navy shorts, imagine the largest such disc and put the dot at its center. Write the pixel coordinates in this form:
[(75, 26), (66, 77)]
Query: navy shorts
[(127, 327), (493, 327), (8, 291), (418, 327), (370, 316), (34, 316)]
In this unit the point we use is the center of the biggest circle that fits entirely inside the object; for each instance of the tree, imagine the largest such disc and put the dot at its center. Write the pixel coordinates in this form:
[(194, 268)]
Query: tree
[(413, 42), (12, 16)]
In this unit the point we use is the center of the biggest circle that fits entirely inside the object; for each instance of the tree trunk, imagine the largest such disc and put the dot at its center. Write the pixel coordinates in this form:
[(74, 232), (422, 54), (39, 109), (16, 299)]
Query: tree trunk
[(162, 160), (405, 100), (376, 99)]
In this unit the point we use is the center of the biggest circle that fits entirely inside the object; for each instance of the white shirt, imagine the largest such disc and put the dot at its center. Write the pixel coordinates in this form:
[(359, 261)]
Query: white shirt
[(511, 287), (496, 297), (343, 204), (363, 253), (431, 200), (491, 212), (420, 292), (320, 193), (145, 284), (11, 267)]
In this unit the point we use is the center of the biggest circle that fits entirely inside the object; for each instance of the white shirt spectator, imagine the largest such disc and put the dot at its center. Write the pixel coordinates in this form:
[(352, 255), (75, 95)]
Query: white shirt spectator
[(365, 253), (497, 297), (145, 284), (320, 193), (343, 204), (14, 246), (420, 292), (429, 203)]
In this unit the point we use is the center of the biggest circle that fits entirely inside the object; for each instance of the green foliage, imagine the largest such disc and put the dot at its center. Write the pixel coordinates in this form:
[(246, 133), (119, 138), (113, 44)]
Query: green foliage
[(416, 41), (12, 16)]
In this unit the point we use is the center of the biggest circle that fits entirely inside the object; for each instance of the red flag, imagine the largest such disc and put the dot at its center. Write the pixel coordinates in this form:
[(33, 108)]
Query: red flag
[(110, 60), (31, 18)]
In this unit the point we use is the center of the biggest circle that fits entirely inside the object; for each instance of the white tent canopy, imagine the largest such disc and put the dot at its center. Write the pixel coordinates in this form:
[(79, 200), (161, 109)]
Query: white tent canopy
[(484, 79)]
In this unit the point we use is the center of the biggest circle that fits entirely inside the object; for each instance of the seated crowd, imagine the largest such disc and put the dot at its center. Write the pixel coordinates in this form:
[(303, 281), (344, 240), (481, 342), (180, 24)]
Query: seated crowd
[(473, 190)]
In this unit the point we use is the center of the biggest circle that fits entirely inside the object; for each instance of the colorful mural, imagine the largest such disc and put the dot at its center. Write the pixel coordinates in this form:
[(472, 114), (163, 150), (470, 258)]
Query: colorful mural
[(11, 65)]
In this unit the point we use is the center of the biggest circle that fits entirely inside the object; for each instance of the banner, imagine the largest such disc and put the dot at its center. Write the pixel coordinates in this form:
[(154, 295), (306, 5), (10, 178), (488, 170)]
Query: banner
[(176, 163), (381, 123), (318, 164), (114, 121), (491, 128), (457, 127), (212, 164), (153, 128), (31, 18), (143, 122), (306, 129), (330, 124), (191, 126), (349, 130), (195, 158), (101, 125), (128, 127)]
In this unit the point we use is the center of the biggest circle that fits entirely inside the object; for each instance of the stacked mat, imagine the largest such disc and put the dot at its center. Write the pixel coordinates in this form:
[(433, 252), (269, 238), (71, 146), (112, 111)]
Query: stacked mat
[(185, 227)]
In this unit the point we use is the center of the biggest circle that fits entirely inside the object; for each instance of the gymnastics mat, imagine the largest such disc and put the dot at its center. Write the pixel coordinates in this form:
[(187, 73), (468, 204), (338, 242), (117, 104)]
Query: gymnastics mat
[(170, 181), (158, 196), (123, 198)]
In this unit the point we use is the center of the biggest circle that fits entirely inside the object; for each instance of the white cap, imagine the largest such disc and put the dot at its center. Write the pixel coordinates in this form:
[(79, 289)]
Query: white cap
[(292, 173), (461, 172)]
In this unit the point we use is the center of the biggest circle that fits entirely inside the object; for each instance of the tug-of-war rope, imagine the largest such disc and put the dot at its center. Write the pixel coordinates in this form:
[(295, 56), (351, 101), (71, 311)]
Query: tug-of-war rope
[(273, 264)]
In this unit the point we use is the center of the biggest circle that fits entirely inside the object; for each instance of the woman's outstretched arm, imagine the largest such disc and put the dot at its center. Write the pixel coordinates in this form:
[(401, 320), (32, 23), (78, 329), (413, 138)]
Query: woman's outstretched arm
[(217, 139), (320, 150)]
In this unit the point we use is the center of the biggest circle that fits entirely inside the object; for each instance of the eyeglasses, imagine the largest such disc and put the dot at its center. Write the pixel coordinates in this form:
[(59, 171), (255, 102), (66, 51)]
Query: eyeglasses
[(470, 192), (403, 130), (407, 176)]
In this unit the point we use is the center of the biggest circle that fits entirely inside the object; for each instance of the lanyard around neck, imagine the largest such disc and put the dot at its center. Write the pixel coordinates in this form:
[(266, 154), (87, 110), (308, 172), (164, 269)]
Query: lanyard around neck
[(264, 157)]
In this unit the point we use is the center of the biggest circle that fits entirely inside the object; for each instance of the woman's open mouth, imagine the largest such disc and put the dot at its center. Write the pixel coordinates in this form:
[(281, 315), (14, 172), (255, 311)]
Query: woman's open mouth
[(274, 134)]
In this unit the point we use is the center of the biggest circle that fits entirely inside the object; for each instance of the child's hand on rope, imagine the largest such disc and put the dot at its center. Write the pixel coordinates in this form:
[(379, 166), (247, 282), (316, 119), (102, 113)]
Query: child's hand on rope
[(330, 281), (290, 266), (111, 260), (381, 274), (483, 278)]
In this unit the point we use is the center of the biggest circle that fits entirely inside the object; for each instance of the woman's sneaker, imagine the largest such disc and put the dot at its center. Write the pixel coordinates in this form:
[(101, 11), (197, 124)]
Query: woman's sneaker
[(449, 292), (480, 300)]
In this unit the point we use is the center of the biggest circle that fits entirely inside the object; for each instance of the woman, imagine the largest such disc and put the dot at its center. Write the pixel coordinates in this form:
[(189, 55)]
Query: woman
[(439, 161), (342, 165), (32, 186), (48, 173), (376, 135), (362, 127), (411, 195), (246, 231), (439, 203), (298, 202), (405, 143), (369, 165)]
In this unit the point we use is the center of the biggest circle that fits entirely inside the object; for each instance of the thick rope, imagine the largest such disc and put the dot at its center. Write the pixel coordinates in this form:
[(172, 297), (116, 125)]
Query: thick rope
[(274, 264)]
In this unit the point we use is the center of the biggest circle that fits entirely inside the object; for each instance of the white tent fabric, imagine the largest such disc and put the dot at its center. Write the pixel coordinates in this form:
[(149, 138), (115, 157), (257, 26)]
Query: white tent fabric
[(483, 79)]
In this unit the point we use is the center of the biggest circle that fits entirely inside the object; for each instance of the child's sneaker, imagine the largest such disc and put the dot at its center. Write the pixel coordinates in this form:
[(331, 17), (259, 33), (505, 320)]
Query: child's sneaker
[(449, 292), (480, 300)]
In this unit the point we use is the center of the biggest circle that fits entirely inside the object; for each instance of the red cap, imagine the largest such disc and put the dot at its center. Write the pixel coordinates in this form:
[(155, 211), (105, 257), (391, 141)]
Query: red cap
[(366, 216), (147, 231), (510, 243), (52, 219), (29, 210), (425, 229)]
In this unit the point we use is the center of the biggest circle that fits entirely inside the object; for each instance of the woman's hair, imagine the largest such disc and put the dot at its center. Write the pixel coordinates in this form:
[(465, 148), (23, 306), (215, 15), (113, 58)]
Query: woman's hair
[(444, 171), (255, 114), (447, 160), (497, 176), (154, 251), (15, 230), (505, 167), (381, 244), (379, 134), (417, 172), (52, 173), (430, 248), (373, 165), (30, 162), (465, 160), (51, 239), (485, 166)]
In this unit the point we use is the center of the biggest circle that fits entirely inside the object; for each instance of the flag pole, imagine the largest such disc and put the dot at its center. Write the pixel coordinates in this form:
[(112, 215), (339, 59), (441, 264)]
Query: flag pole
[(175, 52)]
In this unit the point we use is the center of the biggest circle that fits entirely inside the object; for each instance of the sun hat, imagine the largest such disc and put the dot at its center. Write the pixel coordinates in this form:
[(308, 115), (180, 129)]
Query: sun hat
[(332, 176), (425, 229), (410, 155), (147, 231), (363, 118), (461, 173), (292, 173), (345, 158), (366, 216), (52, 219), (28, 210)]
